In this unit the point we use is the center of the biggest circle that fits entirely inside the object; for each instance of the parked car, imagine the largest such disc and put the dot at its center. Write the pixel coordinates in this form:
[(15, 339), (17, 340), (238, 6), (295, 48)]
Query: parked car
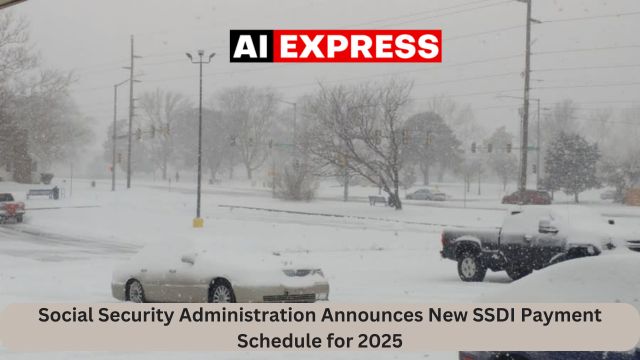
[(608, 195), (528, 197), (530, 238), (212, 276), (549, 355), (11, 209), (427, 194)]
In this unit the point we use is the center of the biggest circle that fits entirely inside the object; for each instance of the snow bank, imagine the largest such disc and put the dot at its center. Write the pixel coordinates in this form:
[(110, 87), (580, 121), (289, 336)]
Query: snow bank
[(611, 277)]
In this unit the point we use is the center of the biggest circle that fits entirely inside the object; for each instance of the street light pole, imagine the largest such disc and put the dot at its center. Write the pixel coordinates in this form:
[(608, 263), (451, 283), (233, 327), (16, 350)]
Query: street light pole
[(115, 115), (198, 222)]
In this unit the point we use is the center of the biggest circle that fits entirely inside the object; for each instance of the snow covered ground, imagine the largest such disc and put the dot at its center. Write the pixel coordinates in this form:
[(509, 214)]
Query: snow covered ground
[(66, 250)]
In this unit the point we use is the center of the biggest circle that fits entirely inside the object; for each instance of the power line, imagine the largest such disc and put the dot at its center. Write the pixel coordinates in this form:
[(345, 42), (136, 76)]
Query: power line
[(484, 33), (417, 13), (591, 17), (596, 67), (482, 77), (587, 49), (587, 86), (447, 14)]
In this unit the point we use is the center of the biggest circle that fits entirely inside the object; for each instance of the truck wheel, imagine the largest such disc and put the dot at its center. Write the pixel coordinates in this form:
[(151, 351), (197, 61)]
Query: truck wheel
[(518, 272), (470, 268)]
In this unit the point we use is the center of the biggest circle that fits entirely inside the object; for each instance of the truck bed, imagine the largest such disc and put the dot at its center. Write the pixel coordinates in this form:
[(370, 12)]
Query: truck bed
[(488, 237)]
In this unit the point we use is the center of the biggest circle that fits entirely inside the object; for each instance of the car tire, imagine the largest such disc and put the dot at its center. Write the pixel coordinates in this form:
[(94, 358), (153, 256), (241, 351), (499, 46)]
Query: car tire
[(221, 291), (135, 292), (518, 272), (470, 267)]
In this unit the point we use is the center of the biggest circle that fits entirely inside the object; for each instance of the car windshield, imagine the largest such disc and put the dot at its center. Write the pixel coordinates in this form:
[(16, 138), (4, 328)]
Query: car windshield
[(6, 197)]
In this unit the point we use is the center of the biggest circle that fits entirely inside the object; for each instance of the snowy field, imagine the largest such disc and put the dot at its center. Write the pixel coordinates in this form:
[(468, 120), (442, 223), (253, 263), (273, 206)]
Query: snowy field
[(66, 250)]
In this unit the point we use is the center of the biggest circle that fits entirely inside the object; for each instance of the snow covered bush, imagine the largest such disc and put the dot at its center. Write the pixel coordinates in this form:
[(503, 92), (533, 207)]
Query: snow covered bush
[(297, 182)]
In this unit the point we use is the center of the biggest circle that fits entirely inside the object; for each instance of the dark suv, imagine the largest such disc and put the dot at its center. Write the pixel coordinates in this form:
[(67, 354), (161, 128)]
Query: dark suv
[(528, 197), (546, 355)]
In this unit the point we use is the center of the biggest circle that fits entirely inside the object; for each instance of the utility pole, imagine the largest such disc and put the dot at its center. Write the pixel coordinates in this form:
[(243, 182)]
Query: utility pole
[(525, 114), (538, 148), (198, 222), (115, 136), (131, 67)]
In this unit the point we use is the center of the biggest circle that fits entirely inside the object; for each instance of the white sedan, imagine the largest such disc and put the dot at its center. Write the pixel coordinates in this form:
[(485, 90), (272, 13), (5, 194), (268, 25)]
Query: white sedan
[(209, 276)]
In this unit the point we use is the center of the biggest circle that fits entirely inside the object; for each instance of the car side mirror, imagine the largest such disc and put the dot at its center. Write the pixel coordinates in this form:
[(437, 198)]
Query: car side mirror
[(545, 227), (188, 259)]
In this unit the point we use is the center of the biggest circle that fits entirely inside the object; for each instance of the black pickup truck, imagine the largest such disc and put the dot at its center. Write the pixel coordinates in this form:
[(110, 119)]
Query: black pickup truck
[(530, 238)]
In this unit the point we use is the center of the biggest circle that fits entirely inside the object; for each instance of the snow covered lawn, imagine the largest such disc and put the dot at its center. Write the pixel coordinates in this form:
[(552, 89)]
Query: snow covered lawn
[(66, 250)]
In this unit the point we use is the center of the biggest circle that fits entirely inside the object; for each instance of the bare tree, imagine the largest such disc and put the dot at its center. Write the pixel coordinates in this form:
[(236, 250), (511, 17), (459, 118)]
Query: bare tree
[(248, 114), (296, 181), (503, 164), (215, 144), (16, 58), (16, 55), (56, 129), (35, 105), (431, 141), (598, 125), (161, 109), (563, 118), (460, 118), (360, 128)]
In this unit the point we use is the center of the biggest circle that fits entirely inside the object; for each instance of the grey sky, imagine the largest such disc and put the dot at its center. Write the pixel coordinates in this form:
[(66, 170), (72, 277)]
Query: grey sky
[(92, 37)]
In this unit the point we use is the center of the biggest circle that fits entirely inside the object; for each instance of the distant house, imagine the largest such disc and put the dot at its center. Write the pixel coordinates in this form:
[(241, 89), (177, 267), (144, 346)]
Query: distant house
[(632, 196)]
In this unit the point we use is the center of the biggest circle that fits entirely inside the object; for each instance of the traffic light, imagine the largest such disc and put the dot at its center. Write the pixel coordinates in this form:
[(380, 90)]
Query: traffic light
[(473, 147), (489, 148), (509, 148), (153, 131), (342, 160), (139, 134)]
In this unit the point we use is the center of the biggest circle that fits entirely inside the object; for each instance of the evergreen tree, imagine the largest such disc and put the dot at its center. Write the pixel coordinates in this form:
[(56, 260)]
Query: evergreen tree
[(571, 165)]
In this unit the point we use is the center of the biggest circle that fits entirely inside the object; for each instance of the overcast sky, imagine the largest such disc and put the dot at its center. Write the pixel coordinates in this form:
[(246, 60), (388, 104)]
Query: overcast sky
[(483, 48)]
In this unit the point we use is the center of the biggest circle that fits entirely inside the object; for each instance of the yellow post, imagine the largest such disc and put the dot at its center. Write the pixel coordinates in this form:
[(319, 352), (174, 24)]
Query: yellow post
[(198, 223)]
